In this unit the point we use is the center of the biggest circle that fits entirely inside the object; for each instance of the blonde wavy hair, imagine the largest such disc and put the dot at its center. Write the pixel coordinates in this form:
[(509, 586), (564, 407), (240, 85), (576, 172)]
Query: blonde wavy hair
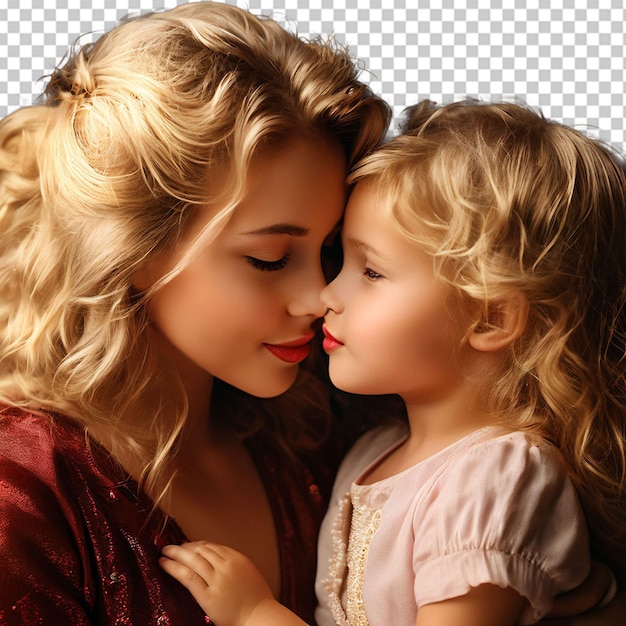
[(163, 113), (505, 201)]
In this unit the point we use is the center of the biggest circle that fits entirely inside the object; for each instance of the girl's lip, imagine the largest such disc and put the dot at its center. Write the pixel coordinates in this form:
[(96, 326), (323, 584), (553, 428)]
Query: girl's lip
[(291, 351), (330, 343)]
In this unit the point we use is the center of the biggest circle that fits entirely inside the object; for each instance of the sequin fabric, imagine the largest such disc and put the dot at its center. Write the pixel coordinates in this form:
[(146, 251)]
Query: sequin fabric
[(77, 545)]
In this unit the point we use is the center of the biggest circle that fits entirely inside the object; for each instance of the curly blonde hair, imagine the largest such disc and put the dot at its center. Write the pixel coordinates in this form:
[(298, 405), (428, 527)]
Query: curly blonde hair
[(505, 201), (163, 113)]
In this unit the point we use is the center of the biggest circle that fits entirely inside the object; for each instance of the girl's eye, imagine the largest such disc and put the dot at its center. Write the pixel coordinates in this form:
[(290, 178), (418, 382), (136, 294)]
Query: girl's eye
[(371, 274), (268, 266)]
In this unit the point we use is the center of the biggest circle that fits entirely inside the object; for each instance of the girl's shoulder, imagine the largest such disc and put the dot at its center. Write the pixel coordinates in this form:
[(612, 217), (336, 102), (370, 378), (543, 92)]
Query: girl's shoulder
[(516, 489), (516, 450), (509, 497), (495, 463)]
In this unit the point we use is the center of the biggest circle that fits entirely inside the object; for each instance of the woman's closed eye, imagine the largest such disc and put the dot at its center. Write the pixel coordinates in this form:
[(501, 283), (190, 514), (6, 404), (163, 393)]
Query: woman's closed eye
[(268, 266)]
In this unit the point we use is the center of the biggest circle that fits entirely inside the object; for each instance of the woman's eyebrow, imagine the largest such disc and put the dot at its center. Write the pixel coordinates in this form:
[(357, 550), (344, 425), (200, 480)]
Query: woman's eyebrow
[(280, 229)]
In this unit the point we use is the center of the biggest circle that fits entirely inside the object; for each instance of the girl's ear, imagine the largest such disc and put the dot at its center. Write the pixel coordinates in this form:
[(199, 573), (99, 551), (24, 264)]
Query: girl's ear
[(505, 322)]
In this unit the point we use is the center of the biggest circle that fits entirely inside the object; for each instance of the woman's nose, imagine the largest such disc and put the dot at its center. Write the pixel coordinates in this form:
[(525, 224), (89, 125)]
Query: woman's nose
[(306, 300)]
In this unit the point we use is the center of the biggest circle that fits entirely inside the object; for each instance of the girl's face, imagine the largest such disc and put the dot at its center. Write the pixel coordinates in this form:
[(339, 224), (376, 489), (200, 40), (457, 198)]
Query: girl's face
[(242, 308), (388, 329)]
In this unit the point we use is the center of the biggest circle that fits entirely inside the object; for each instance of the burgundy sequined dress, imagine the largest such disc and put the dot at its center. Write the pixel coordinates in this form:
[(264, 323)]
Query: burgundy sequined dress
[(77, 545)]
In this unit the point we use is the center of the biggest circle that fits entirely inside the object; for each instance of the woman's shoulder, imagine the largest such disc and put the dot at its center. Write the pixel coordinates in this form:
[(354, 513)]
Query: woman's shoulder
[(39, 446), (50, 466), (38, 430), (38, 474)]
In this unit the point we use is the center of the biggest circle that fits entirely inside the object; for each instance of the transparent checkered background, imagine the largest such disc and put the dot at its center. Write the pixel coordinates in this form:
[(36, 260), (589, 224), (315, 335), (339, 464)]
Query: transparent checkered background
[(563, 56)]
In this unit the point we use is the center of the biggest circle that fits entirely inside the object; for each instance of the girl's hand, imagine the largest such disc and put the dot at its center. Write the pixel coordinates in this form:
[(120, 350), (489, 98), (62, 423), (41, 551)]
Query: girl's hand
[(224, 582)]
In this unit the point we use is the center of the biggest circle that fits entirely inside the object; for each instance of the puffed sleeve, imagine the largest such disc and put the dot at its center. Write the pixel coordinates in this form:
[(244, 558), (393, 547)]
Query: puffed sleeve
[(503, 513), (42, 579)]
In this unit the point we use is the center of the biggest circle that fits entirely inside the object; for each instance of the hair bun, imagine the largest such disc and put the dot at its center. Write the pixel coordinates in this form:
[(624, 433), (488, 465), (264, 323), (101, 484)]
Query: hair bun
[(74, 79), (82, 81)]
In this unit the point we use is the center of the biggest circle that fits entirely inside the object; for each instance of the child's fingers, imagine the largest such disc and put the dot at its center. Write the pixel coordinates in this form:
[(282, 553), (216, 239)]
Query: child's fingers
[(187, 577), (216, 554), (192, 559), (199, 565), (212, 552)]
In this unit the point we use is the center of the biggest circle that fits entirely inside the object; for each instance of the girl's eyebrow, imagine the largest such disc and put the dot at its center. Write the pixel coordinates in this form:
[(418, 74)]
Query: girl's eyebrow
[(280, 229), (364, 247)]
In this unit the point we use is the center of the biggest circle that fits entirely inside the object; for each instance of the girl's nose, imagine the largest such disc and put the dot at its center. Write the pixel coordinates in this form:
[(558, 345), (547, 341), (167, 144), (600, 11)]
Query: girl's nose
[(329, 298)]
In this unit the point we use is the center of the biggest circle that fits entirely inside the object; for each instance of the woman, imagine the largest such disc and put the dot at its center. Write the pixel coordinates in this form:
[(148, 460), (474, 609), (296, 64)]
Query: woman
[(162, 215)]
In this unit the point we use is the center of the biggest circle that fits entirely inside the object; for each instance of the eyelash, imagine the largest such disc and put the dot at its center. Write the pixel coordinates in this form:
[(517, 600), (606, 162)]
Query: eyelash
[(371, 275), (268, 266)]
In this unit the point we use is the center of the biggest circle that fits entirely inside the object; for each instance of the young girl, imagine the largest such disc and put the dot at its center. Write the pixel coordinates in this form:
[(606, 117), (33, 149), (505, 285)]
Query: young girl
[(162, 215), (484, 281)]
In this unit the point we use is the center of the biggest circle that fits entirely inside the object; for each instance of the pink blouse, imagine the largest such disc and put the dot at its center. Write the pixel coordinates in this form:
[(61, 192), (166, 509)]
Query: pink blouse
[(494, 507)]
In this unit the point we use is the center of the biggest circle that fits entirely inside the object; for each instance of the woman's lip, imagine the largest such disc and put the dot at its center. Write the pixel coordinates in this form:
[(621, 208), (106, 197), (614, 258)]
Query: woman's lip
[(329, 343), (291, 351)]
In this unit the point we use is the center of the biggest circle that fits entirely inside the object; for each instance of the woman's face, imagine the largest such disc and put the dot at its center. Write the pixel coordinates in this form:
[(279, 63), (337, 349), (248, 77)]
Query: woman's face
[(242, 308)]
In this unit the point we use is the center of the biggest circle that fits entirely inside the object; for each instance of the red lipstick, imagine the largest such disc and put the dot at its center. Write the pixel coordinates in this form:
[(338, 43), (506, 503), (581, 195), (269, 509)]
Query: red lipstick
[(330, 343), (291, 351)]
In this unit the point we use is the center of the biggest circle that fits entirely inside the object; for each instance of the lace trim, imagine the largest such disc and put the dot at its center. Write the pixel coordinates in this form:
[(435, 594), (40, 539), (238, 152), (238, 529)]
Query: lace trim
[(337, 564), (365, 523), (351, 535)]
